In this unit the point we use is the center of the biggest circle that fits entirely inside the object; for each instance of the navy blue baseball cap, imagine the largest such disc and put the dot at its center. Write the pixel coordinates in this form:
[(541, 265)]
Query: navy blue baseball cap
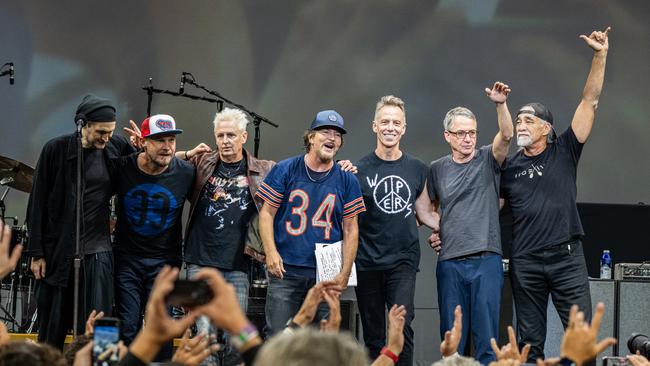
[(328, 118)]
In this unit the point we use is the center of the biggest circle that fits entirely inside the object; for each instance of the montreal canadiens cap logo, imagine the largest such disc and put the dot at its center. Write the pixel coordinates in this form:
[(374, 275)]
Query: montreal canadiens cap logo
[(165, 124), (332, 117), (159, 124)]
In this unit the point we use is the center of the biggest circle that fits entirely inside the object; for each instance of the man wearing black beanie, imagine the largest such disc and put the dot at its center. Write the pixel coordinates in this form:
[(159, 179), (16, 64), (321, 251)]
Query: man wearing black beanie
[(51, 221)]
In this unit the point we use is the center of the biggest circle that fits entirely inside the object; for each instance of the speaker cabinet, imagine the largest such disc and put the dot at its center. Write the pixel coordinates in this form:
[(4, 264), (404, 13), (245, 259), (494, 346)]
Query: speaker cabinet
[(601, 291), (633, 311), (350, 318)]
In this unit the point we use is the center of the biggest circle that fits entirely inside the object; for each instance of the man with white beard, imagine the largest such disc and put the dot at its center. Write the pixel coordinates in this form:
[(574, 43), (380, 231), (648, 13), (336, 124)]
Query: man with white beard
[(539, 182)]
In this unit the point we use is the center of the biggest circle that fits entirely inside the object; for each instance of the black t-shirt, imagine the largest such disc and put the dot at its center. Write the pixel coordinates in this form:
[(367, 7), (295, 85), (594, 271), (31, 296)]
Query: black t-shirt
[(220, 219), (150, 208), (542, 193), (95, 237), (388, 234)]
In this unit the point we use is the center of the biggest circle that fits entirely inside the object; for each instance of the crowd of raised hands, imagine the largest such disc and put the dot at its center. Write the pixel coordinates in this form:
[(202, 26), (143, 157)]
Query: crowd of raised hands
[(579, 344)]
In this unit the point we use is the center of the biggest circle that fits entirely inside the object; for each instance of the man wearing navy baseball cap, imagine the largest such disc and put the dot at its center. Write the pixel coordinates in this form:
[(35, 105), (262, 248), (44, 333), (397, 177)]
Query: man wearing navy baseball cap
[(151, 187), (308, 199)]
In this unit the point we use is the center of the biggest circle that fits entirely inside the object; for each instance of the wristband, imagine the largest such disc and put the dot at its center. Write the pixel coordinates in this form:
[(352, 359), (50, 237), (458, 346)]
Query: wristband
[(246, 334), (186, 158), (388, 353), (564, 361)]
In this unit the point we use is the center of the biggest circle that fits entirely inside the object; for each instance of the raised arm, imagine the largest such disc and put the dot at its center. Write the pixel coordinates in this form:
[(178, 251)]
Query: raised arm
[(583, 119), (499, 94)]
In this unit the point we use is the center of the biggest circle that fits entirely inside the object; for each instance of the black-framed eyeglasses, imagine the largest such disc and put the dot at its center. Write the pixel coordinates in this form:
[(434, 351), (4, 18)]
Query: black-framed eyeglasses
[(460, 134)]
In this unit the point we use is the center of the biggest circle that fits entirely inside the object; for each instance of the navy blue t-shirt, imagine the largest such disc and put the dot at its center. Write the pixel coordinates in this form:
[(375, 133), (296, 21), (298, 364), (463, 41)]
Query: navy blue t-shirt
[(150, 208), (310, 210)]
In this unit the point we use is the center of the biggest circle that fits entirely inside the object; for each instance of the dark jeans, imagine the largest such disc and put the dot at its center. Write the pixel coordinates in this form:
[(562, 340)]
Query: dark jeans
[(474, 283), (377, 291), (134, 277), (239, 280), (560, 271), (55, 303), (283, 300)]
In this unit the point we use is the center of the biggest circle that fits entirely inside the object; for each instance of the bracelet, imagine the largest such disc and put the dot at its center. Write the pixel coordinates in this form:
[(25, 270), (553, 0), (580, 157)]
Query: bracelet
[(186, 158), (246, 334), (388, 353)]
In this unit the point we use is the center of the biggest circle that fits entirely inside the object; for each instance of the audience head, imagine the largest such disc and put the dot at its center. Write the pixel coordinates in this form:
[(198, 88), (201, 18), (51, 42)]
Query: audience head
[(310, 347), (21, 353), (457, 361), (78, 343)]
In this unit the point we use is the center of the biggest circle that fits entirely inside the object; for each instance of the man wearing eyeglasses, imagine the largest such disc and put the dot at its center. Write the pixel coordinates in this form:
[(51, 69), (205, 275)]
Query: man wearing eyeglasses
[(539, 183), (465, 187)]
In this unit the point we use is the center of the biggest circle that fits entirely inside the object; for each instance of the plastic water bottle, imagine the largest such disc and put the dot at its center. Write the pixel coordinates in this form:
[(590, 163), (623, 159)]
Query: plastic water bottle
[(606, 265)]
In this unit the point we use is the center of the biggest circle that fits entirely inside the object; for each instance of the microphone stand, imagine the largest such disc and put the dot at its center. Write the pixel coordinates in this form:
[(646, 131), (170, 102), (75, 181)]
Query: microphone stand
[(151, 91), (257, 119), (77, 252)]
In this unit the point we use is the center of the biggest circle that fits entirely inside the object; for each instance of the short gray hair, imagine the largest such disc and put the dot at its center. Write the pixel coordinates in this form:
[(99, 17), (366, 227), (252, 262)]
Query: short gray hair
[(455, 112), (457, 360), (390, 100), (299, 349), (231, 114)]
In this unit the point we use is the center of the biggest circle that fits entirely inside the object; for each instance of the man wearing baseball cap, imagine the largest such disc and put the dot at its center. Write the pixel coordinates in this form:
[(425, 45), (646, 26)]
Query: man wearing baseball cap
[(51, 221), (151, 187), (308, 199), (539, 182)]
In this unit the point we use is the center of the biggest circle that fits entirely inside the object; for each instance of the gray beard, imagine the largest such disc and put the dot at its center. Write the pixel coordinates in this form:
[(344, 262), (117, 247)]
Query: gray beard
[(524, 141)]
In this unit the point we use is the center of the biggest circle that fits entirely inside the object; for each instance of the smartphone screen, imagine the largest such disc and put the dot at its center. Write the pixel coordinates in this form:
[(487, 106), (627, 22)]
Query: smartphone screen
[(106, 337)]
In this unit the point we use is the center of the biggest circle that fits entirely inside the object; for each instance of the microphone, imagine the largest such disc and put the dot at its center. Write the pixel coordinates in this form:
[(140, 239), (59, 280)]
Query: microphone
[(181, 90), (11, 73)]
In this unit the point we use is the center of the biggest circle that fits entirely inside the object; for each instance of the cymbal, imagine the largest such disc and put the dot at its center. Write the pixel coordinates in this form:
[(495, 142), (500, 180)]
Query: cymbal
[(15, 174)]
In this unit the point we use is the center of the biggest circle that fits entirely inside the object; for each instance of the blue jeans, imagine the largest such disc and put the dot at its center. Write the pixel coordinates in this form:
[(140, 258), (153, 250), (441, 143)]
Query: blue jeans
[(240, 281), (283, 300), (377, 291), (474, 283), (134, 277)]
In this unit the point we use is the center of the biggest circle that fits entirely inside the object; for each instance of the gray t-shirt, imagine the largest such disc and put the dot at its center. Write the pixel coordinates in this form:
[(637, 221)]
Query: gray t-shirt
[(468, 195)]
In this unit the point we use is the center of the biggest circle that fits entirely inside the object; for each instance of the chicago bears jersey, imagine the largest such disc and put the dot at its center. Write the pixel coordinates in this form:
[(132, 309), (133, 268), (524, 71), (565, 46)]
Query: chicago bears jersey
[(310, 210)]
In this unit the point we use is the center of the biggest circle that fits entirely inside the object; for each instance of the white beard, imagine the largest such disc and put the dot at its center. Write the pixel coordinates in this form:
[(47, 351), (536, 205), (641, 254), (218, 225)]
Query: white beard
[(523, 141)]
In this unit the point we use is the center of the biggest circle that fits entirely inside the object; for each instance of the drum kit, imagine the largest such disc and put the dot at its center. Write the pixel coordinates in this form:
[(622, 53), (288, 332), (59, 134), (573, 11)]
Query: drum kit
[(17, 302)]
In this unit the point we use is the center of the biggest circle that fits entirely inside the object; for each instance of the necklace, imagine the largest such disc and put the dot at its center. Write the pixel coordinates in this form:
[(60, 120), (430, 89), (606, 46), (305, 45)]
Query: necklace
[(230, 172), (319, 178)]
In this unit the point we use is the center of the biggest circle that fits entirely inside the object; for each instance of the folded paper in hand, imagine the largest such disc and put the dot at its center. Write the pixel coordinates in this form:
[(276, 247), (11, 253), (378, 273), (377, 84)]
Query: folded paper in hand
[(329, 261)]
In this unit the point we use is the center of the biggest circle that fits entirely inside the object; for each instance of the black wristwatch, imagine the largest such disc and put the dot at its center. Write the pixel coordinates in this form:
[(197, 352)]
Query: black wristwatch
[(292, 325)]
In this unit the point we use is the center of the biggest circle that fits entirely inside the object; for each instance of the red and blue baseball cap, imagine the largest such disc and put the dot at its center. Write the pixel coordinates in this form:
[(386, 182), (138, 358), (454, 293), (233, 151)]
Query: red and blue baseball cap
[(158, 125), (328, 118)]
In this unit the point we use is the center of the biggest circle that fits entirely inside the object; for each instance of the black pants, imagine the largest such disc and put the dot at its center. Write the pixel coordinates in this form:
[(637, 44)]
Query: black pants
[(560, 271), (134, 278), (377, 291), (55, 303)]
